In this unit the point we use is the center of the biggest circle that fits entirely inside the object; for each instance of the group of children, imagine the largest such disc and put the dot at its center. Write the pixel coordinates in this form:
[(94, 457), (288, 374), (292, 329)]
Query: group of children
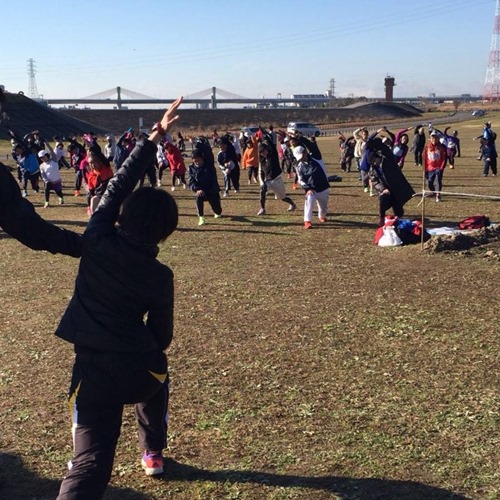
[(36, 159), (260, 155), (266, 156)]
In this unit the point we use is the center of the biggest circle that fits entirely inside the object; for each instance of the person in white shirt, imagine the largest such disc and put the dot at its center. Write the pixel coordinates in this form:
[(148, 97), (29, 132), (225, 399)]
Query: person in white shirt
[(60, 154), (49, 170), (110, 147), (161, 160)]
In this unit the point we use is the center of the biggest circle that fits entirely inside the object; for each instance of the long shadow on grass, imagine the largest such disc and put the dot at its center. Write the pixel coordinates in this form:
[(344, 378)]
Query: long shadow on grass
[(17, 482), (346, 488), (254, 228)]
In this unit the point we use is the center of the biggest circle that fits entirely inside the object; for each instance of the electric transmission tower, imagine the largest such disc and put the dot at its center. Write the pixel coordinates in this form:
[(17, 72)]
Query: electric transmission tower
[(33, 91), (491, 90)]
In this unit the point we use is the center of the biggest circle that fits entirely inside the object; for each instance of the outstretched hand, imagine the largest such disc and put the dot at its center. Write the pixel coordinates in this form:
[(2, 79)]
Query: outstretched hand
[(168, 119), (170, 115)]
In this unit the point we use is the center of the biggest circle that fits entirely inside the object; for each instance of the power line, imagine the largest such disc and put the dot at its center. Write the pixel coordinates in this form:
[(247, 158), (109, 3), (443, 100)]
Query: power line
[(386, 20)]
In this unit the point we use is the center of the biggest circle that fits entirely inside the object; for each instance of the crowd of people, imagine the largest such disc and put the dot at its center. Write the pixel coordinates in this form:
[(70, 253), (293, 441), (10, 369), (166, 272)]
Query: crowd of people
[(378, 174), (268, 157)]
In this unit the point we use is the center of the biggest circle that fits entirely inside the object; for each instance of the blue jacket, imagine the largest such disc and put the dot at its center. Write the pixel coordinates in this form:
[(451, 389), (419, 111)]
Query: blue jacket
[(28, 164)]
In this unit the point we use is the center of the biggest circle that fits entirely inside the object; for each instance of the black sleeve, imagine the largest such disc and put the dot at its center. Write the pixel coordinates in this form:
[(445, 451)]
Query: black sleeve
[(311, 146), (19, 219)]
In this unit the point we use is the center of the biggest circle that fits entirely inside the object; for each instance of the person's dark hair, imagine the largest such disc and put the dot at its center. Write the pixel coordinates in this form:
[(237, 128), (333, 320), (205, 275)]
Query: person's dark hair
[(197, 153), (149, 215), (96, 151)]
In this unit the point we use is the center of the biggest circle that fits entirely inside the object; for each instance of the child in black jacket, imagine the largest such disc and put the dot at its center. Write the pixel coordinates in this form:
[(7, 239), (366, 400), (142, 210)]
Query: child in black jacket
[(203, 181), (120, 357)]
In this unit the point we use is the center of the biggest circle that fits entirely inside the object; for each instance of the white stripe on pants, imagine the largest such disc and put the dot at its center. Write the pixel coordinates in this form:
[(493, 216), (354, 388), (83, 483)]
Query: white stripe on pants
[(321, 199)]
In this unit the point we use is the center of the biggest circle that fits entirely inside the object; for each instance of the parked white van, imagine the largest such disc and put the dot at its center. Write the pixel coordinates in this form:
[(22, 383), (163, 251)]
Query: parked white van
[(304, 128)]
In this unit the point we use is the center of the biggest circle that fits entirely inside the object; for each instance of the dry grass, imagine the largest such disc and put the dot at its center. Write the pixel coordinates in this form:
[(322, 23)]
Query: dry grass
[(306, 364)]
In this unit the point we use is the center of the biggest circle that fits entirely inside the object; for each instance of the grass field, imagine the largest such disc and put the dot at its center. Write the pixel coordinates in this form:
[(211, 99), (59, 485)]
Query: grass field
[(305, 364)]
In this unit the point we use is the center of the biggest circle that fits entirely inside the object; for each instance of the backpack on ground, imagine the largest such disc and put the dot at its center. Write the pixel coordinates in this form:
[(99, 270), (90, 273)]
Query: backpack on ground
[(474, 222)]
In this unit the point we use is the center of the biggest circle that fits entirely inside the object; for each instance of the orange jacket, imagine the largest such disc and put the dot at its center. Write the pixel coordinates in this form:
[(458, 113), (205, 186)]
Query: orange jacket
[(251, 155)]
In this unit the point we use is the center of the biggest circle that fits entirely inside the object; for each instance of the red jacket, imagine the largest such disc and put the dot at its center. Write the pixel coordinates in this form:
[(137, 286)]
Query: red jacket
[(434, 157), (175, 159), (96, 177)]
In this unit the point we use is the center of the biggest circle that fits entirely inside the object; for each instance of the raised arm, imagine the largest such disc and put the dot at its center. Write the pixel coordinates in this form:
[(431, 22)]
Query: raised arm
[(49, 148)]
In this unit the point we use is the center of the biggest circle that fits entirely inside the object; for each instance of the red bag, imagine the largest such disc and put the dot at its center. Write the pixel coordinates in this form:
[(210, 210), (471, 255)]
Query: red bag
[(474, 222)]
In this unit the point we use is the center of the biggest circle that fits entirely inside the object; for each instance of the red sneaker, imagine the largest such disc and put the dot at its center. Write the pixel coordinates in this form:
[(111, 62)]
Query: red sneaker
[(307, 225), (322, 219), (152, 463)]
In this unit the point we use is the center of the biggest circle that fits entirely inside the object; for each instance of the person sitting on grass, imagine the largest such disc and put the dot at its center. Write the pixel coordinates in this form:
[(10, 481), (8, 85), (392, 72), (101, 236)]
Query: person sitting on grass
[(120, 356)]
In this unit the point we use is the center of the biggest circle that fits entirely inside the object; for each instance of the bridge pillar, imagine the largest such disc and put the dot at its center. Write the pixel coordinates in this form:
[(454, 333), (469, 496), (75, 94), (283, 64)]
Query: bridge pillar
[(119, 98), (214, 98)]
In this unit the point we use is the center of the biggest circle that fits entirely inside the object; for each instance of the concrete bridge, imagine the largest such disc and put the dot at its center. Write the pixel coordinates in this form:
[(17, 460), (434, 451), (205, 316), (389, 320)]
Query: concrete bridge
[(210, 98), (205, 99)]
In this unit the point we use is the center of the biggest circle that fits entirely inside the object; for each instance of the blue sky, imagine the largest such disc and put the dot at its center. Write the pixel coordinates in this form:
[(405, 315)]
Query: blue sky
[(164, 48)]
